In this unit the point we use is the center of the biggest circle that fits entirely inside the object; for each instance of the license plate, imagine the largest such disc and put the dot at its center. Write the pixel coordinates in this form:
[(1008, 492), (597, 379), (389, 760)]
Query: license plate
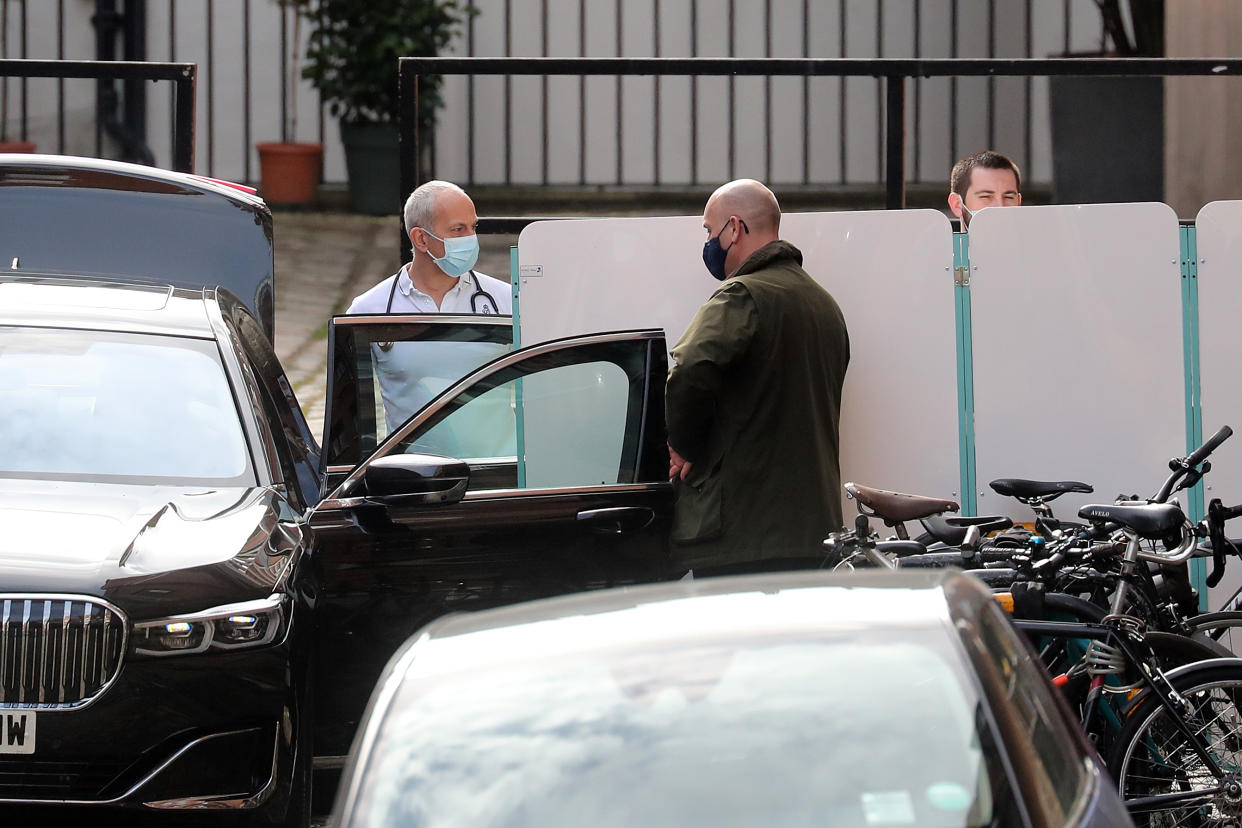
[(17, 731)]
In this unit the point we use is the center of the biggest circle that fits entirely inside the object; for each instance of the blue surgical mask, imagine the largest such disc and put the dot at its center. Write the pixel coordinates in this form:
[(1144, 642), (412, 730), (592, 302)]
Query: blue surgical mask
[(460, 253), (714, 255)]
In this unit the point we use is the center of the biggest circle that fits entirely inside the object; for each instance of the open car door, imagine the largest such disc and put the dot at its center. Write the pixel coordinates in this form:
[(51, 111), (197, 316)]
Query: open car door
[(540, 473)]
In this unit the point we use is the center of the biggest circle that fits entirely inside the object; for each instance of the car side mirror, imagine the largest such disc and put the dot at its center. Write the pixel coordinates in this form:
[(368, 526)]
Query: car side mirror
[(415, 479)]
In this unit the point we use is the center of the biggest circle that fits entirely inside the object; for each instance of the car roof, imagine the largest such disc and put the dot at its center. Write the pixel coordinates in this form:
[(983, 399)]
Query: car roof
[(55, 301), (708, 609), (97, 219)]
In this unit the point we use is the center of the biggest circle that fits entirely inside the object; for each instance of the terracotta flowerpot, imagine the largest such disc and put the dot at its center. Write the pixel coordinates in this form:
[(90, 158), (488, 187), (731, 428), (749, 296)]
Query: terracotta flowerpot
[(17, 146), (289, 172)]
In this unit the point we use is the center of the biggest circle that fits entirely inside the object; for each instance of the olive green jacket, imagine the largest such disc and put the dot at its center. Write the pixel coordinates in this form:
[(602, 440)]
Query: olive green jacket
[(753, 401)]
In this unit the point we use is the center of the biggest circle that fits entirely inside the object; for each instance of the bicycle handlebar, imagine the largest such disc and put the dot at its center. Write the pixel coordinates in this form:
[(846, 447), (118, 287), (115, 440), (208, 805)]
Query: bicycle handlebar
[(1188, 465), (1201, 453)]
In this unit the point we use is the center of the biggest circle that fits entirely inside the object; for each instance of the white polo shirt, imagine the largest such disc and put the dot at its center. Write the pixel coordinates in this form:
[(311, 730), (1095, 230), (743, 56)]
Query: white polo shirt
[(490, 296), (410, 374)]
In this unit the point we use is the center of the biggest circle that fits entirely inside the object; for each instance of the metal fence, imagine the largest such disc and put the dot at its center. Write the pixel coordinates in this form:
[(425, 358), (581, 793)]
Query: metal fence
[(182, 92), (610, 136)]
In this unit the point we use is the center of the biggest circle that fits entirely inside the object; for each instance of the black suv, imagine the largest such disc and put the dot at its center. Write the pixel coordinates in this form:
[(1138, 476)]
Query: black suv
[(192, 593)]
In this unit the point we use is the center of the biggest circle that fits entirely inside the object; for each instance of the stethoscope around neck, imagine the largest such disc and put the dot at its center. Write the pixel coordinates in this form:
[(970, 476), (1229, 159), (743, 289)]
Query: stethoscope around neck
[(479, 295)]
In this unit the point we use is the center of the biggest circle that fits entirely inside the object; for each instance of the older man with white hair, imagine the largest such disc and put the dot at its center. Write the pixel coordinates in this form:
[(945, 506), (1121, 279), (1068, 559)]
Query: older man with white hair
[(442, 224), (440, 278)]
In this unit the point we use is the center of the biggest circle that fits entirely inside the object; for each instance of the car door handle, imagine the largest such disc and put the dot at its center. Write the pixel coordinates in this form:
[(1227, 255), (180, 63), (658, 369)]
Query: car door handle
[(617, 520)]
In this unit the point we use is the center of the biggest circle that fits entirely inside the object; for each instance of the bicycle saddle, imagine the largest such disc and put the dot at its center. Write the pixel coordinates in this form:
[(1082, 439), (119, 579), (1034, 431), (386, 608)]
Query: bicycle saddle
[(1020, 487), (895, 507), (951, 531), (1148, 520)]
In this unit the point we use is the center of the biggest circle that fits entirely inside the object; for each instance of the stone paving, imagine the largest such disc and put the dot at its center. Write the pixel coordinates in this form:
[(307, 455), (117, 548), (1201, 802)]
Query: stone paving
[(324, 260)]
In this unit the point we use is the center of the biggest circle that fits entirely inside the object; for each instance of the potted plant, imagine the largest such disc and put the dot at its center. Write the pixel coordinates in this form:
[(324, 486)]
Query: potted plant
[(352, 61), (1108, 132), (290, 170)]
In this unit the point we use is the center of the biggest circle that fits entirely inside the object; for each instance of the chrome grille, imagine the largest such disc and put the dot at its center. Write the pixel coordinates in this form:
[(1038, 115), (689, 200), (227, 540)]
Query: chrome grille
[(57, 650)]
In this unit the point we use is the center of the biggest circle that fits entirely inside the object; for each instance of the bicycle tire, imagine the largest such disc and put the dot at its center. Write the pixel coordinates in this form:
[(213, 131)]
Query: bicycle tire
[(1225, 628), (1151, 756)]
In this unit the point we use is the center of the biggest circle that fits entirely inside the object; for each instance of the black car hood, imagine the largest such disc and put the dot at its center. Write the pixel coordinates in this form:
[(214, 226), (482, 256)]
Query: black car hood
[(151, 550)]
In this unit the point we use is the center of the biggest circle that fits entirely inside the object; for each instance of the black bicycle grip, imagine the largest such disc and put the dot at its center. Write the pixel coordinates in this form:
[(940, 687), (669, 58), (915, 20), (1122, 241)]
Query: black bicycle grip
[(1201, 453)]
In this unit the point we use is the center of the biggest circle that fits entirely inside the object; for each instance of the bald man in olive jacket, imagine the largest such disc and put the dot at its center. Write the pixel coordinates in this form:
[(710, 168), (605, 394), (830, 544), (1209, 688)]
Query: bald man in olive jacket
[(753, 400)]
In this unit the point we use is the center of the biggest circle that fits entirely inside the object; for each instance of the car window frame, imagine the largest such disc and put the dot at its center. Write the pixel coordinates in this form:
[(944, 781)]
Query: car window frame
[(339, 497)]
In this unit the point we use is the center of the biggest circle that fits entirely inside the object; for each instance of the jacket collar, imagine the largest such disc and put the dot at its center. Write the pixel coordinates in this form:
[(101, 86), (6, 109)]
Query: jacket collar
[(768, 255)]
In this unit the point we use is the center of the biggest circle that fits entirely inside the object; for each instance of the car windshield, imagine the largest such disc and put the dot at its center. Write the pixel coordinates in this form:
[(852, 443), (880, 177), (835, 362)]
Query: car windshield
[(884, 728), (117, 407)]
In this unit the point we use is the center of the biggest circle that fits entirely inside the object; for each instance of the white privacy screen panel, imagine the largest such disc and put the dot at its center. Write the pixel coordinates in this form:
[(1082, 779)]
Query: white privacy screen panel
[(1077, 344), (1218, 234), (891, 273)]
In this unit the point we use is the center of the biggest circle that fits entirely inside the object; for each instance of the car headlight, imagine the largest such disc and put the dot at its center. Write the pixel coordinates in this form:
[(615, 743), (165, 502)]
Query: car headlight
[(229, 627)]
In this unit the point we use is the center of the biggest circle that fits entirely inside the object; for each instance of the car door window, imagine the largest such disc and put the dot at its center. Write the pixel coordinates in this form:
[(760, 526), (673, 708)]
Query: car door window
[(383, 369), (559, 419)]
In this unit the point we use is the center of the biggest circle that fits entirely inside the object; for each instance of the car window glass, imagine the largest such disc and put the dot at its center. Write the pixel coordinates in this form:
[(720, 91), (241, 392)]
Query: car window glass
[(383, 372), (563, 419), (118, 407), (573, 427), (840, 731), (1056, 773), (291, 436)]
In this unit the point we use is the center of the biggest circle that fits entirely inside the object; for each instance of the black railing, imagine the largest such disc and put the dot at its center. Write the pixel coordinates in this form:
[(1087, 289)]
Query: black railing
[(183, 76), (893, 72)]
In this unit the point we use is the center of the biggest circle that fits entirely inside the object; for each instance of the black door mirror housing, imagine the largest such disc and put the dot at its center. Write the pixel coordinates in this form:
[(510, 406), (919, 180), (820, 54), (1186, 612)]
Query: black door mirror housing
[(415, 479)]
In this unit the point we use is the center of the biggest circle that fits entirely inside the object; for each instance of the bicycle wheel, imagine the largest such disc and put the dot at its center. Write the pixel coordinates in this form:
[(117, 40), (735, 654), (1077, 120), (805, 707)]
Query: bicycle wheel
[(1154, 758), (1225, 628)]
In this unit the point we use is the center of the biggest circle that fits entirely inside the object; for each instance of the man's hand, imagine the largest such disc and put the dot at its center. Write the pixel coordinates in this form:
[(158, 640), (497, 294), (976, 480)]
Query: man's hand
[(678, 466)]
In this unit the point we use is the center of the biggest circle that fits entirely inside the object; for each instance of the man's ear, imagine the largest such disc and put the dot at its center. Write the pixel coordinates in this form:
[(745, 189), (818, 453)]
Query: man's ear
[(955, 204), (414, 234)]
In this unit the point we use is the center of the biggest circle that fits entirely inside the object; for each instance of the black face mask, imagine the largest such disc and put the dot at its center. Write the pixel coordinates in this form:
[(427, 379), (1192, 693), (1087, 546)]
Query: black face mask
[(714, 255)]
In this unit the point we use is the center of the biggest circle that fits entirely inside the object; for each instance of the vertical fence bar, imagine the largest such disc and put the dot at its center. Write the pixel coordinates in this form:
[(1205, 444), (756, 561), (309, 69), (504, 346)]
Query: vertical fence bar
[(952, 85), (620, 101), (246, 91), (60, 82), (284, 81), (694, 95), (1027, 133), (319, 94), (895, 175), (880, 87), (543, 97), (407, 137), (4, 81), (918, 91), (508, 93), (469, 113), (1065, 15), (806, 94), (183, 120), (842, 119), (211, 87), (767, 93), (732, 93), (25, 52), (582, 96), (172, 93), (991, 79), (655, 98)]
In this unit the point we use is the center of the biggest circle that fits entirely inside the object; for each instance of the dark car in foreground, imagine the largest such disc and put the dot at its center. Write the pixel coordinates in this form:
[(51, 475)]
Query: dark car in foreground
[(193, 596), (792, 699)]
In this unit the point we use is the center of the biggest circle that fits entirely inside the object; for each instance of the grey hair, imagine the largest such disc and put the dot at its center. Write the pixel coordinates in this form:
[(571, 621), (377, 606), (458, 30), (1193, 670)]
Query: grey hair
[(420, 207)]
